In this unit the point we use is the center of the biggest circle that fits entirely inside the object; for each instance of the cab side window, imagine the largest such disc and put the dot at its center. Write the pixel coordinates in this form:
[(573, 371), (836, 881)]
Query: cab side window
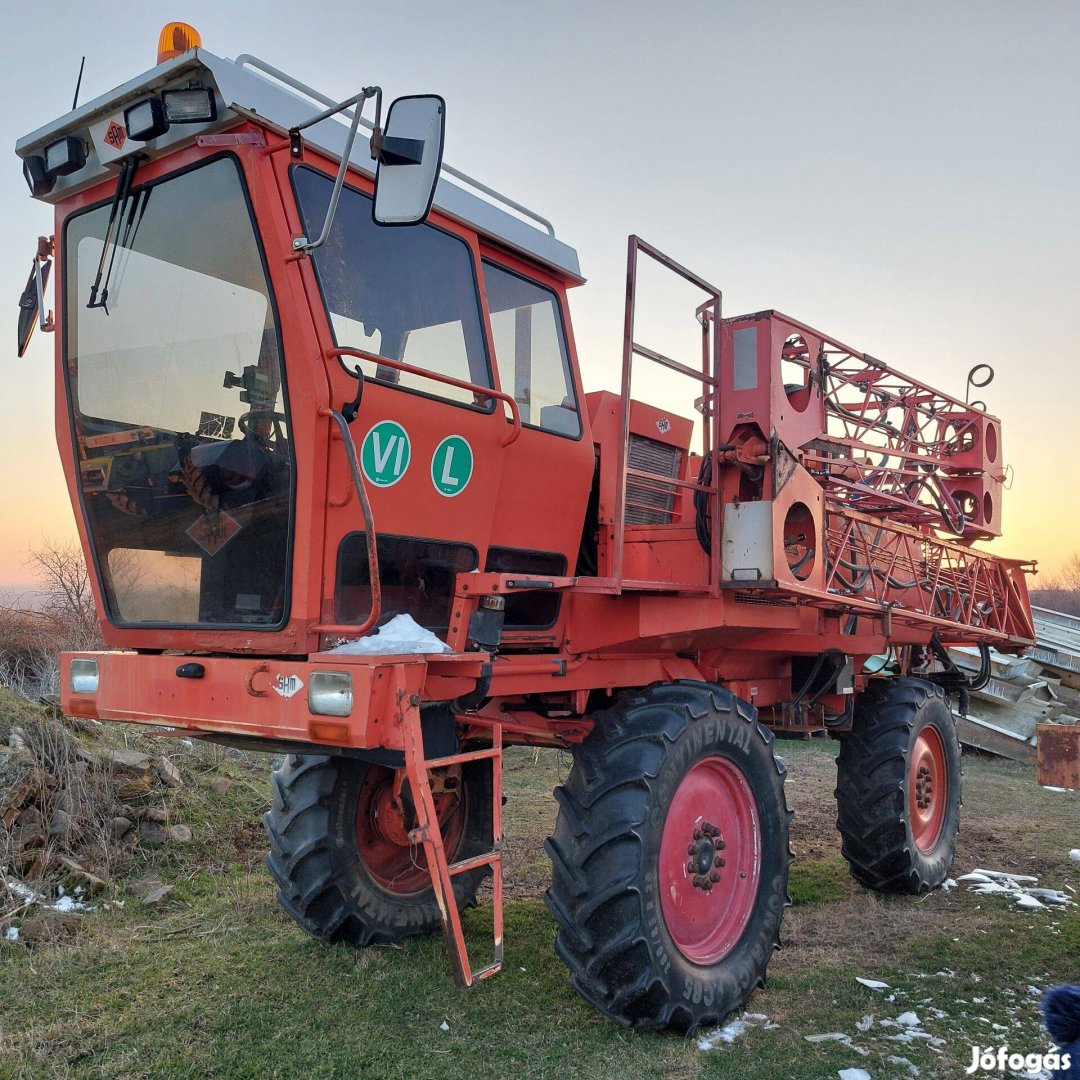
[(530, 349)]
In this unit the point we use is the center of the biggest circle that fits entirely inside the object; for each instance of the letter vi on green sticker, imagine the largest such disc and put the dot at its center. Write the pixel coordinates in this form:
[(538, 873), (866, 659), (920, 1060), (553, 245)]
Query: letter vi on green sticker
[(452, 466), (385, 454)]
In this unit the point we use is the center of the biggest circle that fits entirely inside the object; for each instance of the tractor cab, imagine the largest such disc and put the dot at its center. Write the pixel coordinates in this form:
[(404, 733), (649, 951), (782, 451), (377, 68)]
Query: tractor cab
[(238, 272)]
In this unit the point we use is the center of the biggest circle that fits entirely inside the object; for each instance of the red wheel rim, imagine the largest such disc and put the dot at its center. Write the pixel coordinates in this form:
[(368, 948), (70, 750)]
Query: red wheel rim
[(928, 789), (382, 833), (713, 818)]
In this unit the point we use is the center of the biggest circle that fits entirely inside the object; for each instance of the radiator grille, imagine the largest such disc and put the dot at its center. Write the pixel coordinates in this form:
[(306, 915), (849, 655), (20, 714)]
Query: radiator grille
[(763, 601), (651, 502)]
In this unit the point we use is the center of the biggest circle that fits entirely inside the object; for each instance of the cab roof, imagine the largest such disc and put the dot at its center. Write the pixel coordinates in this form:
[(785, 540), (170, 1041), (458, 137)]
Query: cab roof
[(249, 88)]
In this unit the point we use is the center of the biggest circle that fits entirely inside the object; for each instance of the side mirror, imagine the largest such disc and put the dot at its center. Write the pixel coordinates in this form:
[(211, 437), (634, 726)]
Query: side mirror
[(409, 156), (32, 301)]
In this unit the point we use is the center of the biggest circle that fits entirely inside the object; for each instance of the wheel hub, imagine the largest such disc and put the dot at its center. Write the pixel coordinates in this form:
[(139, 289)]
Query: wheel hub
[(384, 818), (928, 786), (705, 864), (710, 860)]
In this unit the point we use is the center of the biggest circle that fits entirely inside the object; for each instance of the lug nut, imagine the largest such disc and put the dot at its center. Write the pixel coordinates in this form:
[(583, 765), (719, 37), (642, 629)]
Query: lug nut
[(715, 875), (719, 861), (697, 834), (691, 849), (720, 845), (691, 866)]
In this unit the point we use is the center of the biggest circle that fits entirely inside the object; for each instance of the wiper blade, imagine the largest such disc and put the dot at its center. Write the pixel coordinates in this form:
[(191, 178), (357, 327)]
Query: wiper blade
[(108, 247)]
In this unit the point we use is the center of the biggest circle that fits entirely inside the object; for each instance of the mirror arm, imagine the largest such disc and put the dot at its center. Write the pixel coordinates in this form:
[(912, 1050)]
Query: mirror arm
[(301, 244), (45, 322)]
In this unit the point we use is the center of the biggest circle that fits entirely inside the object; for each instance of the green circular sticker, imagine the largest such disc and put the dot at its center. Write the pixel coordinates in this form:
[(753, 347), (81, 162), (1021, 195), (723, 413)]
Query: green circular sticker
[(452, 466), (384, 456)]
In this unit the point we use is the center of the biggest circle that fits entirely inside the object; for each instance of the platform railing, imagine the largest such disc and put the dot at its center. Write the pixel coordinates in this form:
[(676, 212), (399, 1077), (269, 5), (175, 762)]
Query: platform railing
[(708, 376)]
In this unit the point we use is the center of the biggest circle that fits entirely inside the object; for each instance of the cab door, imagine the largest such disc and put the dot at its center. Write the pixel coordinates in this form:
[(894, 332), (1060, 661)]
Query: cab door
[(547, 471)]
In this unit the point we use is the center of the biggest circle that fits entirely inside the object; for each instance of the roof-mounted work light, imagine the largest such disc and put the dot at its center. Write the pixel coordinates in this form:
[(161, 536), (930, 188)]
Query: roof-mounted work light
[(66, 155), (146, 120), (191, 106), (37, 176)]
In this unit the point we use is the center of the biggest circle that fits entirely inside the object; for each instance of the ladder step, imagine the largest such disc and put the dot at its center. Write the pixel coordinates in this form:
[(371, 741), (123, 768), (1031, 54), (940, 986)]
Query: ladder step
[(459, 759), (487, 971), (489, 858)]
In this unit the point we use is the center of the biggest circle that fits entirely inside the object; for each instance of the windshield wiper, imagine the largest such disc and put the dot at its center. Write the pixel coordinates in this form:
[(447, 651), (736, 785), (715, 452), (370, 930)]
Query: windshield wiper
[(120, 198)]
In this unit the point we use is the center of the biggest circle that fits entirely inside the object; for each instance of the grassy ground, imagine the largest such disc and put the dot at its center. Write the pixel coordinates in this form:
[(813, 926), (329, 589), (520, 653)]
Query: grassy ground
[(218, 982)]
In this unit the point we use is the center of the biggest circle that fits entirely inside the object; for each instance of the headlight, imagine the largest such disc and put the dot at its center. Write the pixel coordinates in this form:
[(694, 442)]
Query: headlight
[(330, 693), (84, 676)]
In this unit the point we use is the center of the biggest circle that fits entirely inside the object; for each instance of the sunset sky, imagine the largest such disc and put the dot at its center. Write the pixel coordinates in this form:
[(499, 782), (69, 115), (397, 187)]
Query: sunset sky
[(901, 176)]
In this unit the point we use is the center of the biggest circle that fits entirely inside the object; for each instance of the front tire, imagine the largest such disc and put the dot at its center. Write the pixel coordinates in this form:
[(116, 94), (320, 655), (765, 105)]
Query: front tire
[(340, 853), (670, 858), (898, 787)]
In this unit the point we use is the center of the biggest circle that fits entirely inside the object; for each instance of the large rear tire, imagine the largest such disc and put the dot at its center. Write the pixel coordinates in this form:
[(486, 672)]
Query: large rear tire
[(898, 787), (340, 853), (670, 858)]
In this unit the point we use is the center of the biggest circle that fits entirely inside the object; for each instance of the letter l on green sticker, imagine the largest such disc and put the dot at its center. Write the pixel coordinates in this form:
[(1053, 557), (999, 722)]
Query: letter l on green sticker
[(452, 466)]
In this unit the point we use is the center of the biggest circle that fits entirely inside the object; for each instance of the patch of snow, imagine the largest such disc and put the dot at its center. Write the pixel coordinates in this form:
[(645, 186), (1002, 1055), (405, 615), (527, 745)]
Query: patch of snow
[(908, 1020), (23, 892), (830, 1036), (1075, 854), (948, 884), (11, 933), (872, 984), (727, 1034), (999, 875), (1059, 790), (865, 1024), (69, 903), (444, 1026), (854, 1074), (401, 636), (1030, 903)]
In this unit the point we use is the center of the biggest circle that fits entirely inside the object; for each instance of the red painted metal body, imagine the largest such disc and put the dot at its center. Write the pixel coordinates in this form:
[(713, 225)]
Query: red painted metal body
[(829, 503), (659, 603)]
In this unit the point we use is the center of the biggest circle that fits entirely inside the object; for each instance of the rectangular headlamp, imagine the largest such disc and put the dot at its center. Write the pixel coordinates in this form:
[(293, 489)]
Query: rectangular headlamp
[(192, 106), (330, 693), (84, 676), (66, 155), (146, 120)]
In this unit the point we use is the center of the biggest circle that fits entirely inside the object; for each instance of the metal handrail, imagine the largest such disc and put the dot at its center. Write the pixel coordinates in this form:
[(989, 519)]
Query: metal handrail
[(449, 380), (709, 376), (369, 530), (248, 60)]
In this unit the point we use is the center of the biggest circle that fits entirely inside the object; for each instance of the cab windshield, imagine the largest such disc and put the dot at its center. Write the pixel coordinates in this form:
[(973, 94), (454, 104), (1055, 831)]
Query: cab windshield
[(409, 294), (178, 405)]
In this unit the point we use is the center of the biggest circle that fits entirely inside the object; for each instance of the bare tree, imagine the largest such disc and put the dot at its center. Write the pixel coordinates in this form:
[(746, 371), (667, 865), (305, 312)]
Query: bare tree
[(68, 597), (1062, 591)]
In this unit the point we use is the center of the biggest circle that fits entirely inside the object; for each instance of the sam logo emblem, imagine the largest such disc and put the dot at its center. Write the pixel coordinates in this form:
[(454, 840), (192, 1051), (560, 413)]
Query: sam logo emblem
[(288, 685), (452, 466), (116, 136), (385, 454)]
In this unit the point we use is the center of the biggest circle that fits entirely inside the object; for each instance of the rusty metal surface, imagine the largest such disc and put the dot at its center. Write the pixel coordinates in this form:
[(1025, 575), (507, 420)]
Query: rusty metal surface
[(1059, 755)]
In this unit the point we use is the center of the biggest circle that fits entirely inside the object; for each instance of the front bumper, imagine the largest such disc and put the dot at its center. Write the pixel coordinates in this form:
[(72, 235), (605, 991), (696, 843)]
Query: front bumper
[(269, 699)]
